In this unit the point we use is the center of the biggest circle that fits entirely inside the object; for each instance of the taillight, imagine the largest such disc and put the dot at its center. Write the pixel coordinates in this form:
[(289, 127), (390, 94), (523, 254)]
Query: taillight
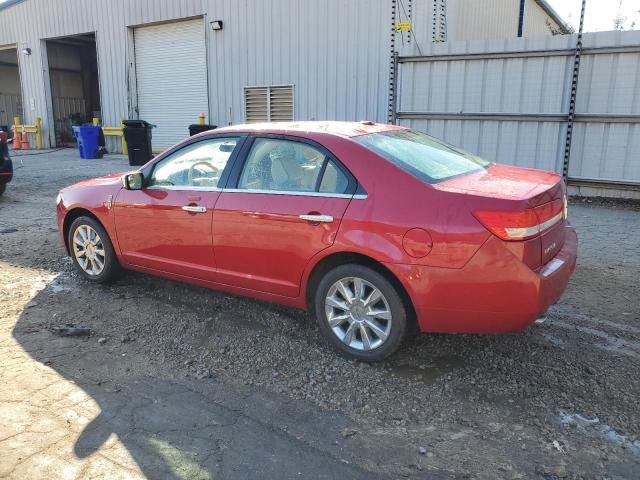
[(523, 224)]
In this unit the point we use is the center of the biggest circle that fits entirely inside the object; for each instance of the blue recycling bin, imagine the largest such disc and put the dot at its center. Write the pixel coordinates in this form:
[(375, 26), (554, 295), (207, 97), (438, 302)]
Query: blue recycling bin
[(88, 137)]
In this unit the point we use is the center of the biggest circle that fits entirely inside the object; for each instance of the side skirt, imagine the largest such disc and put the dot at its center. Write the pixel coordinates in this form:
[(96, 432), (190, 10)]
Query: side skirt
[(296, 302)]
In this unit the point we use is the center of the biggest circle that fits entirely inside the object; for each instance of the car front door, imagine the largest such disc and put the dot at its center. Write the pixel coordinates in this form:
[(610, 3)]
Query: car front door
[(166, 226), (284, 206)]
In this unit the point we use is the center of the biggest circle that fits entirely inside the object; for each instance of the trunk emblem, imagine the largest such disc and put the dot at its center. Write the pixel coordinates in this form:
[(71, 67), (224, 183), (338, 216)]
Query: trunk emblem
[(549, 248)]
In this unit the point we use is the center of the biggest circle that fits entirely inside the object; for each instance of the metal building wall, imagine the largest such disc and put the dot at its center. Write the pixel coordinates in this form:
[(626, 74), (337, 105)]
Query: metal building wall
[(482, 19), (340, 67), (335, 52), (507, 100), (494, 19), (536, 20)]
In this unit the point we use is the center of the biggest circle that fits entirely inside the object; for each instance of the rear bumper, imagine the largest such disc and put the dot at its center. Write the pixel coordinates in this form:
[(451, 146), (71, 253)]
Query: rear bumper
[(6, 171), (554, 276), (6, 166), (494, 293)]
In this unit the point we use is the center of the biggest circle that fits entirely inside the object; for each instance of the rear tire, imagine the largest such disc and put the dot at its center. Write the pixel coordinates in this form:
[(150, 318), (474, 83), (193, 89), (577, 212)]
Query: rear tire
[(360, 313), (92, 251), (3, 187)]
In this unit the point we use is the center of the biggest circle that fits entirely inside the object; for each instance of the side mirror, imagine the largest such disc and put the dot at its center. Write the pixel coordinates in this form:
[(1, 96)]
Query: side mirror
[(132, 181)]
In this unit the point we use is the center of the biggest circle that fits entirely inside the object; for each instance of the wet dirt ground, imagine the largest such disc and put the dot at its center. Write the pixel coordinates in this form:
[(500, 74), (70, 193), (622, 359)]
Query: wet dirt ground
[(181, 382)]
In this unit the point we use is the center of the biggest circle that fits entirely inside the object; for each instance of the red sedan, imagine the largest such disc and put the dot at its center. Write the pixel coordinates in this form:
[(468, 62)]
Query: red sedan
[(375, 228)]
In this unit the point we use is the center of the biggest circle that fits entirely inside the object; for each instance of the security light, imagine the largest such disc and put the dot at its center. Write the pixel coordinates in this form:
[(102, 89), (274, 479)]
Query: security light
[(216, 25), (26, 51)]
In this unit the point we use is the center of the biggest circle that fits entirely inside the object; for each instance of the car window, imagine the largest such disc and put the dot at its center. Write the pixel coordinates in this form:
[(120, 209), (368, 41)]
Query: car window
[(334, 180), (197, 165), (426, 157), (282, 165)]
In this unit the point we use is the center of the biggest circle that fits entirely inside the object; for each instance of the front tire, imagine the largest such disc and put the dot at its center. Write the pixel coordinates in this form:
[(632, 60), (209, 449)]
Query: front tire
[(92, 251), (360, 313)]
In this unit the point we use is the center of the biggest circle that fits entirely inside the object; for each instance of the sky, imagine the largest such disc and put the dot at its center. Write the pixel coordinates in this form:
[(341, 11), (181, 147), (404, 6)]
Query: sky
[(600, 14)]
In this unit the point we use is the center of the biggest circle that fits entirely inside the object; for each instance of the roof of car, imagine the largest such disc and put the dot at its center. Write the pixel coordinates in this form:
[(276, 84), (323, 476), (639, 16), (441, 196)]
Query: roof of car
[(344, 129)]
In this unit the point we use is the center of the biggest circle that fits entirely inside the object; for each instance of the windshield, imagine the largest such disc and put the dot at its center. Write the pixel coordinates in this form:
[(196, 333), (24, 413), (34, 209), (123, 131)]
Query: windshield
[(423, 156)]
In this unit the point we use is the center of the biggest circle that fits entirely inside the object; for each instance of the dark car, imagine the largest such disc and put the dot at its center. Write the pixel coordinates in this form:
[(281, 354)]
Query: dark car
[(6, 166)]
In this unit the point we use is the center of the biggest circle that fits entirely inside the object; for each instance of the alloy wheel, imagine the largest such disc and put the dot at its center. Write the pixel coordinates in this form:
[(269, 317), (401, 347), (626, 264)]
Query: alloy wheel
[(358, 313), (89, 250)]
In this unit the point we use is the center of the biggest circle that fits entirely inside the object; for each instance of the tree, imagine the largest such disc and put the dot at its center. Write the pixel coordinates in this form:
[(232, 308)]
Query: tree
[(556, 30), (620, 19)]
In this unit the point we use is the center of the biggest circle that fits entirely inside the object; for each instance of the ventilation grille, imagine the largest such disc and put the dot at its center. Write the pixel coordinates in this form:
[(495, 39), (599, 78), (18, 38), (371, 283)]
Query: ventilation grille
[(268, 104)]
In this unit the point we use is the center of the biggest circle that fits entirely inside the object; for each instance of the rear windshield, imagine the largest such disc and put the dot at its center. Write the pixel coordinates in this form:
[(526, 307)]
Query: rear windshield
[(423, 156)]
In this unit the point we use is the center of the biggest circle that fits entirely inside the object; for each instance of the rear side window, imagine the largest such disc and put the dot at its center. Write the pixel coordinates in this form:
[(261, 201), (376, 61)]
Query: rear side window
[(333, 180), (288, 166), (423, 156)]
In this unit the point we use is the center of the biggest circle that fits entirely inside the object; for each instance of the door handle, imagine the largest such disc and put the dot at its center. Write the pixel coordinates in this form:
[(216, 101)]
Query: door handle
[(194, 209), (317, 218)]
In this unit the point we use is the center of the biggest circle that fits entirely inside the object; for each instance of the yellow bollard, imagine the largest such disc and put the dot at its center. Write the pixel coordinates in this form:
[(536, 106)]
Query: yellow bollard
[(38, 133), (201, 118), (125, 150), (117, 132), (96, 121), (35, 129)]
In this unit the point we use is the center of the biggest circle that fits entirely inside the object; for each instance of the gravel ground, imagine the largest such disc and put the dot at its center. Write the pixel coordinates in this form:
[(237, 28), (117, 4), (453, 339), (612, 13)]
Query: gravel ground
[(558, 400)]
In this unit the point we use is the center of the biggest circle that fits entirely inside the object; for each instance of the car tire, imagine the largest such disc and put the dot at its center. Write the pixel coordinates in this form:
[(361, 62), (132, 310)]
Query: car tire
[(382, 337), (98, 250), (3, 187)]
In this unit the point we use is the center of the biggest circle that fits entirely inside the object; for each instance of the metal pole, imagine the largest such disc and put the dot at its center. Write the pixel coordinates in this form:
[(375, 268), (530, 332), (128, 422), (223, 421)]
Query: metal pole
[(572, 99), (393, 65), (521, 18), (394, 90)]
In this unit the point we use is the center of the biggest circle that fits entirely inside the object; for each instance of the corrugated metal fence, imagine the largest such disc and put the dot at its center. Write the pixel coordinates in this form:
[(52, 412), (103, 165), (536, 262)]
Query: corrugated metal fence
[(508, 101)]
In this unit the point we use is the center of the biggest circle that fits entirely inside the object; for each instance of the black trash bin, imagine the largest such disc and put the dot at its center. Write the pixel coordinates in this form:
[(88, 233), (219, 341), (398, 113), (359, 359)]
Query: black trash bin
[(137, 134), (196, 128)]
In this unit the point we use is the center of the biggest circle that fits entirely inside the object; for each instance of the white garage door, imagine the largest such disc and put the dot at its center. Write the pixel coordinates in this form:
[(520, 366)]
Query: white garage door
[(171, 78)]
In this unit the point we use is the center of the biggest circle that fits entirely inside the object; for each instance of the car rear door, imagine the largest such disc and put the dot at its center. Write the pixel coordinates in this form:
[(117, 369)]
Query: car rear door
[(283, 205), (166, 226)]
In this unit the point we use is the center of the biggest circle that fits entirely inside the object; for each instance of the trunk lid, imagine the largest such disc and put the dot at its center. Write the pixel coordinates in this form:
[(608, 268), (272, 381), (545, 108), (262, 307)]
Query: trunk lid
[(504, 189), (508, 183)]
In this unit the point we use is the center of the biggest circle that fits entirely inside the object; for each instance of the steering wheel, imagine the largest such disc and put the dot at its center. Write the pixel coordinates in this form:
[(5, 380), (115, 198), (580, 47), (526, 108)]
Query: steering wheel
[(202, 170)]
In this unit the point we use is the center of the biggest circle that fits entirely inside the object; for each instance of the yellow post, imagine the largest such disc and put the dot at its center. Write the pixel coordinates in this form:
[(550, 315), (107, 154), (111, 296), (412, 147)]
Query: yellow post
[(96, 121), (125, 150), (201, 119), (38, 133), (16, 121)]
